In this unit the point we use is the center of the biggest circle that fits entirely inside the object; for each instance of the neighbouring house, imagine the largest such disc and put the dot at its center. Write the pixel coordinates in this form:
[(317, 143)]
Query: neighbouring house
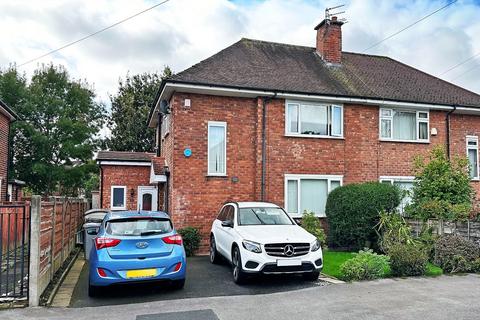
[(7, 116), (288, 124), (131, 181)]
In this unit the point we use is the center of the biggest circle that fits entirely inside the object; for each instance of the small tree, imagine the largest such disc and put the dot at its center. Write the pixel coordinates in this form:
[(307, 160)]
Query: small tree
[(311, 223), (442, 187)]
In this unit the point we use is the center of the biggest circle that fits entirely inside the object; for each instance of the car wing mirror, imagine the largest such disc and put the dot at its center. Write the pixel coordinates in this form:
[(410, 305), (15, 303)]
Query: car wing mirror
[(227, 224)]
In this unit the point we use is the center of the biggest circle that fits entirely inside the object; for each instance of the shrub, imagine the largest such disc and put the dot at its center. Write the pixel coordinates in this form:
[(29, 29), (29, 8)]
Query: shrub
[(366, 265), (191, 240), (455, 254), (353, 211), (311, 223), (407, 260), (442, 187), (392, 230)]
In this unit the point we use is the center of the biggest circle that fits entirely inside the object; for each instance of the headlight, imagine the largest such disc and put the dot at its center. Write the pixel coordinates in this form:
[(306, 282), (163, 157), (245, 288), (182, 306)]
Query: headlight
[(252, 246), (315, 246)]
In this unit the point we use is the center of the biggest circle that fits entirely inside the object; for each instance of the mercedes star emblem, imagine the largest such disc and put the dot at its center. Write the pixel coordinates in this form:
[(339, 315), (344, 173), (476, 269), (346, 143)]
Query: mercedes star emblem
[(289, 250)]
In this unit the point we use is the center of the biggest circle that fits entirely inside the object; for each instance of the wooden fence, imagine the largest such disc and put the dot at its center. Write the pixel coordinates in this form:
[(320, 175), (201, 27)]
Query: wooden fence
[(467, 229)]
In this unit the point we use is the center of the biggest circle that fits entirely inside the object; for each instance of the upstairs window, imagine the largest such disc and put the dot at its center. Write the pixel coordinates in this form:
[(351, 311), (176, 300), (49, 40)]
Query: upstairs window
[(400, 125), (314, 120), (217, 148), (472, 154)]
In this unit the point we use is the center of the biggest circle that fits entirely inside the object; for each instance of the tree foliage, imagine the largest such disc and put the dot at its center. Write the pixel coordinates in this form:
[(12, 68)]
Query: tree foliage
[(130, 109), (442, 187), (55, 137)]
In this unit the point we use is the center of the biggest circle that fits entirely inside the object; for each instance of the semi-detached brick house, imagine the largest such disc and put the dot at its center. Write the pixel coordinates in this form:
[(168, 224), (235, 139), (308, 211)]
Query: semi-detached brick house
[(7, 116), (287, 124)]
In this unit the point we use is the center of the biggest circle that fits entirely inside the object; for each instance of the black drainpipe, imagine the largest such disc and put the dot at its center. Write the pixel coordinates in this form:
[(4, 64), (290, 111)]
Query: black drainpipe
[(159, 135), (9, 161), (265, 100), (448, 129), (167, 186)]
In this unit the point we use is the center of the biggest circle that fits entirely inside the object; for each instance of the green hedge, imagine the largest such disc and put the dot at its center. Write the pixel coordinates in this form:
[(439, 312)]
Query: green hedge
[(407, 260), (353, 211), (455, 254), (191, 240)]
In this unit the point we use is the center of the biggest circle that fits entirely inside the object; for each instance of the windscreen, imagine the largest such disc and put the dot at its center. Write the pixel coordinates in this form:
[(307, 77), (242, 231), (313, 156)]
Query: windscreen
[(138, 226), (263, 216)]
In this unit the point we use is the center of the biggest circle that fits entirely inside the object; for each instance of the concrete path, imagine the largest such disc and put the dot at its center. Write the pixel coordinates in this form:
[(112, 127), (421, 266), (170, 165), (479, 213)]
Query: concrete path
[(446, 297), (65, 292)]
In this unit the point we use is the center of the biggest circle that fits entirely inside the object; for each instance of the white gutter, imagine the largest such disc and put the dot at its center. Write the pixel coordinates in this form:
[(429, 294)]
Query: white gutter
[(124, 163), (169, 88)]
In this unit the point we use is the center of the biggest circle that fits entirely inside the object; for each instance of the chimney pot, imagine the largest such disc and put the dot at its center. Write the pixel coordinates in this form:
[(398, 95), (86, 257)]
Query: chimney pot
[(329, 40)]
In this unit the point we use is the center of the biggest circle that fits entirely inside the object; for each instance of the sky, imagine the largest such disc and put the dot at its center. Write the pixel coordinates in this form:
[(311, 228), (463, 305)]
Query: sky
[(181, 33)]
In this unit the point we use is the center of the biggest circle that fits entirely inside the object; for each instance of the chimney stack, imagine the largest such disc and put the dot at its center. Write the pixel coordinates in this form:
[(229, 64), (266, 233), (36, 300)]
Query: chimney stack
[(329, 40)]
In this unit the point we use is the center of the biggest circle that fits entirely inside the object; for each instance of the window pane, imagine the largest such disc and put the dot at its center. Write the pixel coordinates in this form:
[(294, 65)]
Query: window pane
[(334, 184), (473, 160), (314, 119), (118, 197), (292, 196), (386, 126), (292, 118), (313, 196), (216, 149), (423, 131), (336, 121), (386, 112), (147, 202), (406, 187), (423, 115), (404, 124)]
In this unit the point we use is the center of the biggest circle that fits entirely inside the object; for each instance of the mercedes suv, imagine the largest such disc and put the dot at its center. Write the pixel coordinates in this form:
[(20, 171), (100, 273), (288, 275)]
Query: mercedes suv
[(259, 237)]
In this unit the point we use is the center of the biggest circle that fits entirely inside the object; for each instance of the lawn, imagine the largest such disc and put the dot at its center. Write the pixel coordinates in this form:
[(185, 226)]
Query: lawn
[(333, 259)]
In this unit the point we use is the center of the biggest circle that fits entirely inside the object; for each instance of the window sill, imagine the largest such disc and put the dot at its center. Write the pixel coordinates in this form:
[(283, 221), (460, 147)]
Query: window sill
[(216, 176), (118, 208), (300, 216), (475, 179), (404, 141), (312, 136)]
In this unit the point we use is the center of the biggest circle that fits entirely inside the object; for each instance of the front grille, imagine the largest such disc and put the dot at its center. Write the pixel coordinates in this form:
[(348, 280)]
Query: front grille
[(274, 269), (278, 249)]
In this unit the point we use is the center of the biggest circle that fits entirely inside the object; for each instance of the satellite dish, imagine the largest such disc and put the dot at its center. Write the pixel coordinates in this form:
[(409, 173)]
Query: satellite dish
[(164, 107)]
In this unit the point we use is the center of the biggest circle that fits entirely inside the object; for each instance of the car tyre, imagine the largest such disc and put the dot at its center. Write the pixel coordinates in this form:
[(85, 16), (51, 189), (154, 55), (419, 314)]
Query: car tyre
[(311, 276), (214, 256), (93, 291), (178, 284), (239, 276)]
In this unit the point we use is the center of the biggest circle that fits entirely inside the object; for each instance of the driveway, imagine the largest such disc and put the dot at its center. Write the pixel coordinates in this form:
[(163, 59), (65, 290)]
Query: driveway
[(446, 297), (203, 280)]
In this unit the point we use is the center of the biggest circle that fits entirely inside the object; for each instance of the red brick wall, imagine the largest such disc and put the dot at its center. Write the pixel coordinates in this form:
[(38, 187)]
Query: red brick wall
[(129, 176), (4, 126), (195, 198)]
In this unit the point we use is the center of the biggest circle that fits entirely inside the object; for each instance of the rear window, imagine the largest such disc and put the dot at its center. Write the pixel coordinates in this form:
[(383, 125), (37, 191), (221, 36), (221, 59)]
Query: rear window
[(138, 226)]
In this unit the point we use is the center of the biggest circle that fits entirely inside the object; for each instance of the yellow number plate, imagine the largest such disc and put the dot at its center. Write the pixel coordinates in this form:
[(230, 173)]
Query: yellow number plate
[(144, 273)]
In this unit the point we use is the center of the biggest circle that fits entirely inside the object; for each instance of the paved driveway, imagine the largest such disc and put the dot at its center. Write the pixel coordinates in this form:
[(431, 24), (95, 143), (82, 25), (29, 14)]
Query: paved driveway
[(446, 297), (203, 280)]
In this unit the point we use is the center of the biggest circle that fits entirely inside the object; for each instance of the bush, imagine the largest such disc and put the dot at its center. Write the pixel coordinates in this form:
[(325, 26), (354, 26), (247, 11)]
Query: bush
[(366, 265), (455, 254), (353, 211), (191, 240), (311, 223), (407, 260), (392, 230)]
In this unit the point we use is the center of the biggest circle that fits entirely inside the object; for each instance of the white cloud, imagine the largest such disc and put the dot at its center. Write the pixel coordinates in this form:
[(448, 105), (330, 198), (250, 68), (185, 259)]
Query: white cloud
[(184, 32)]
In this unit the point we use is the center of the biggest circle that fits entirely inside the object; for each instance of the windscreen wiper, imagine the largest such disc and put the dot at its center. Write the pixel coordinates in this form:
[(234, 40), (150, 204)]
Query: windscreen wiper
[(150, 232)]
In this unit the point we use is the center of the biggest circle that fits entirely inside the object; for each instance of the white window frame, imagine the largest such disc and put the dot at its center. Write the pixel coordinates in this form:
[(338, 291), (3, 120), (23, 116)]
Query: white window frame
[(393, 179), (329, 106), (418, 120), (124, 207), (217, 124), (298, 178), (469, 147), (166, 121)]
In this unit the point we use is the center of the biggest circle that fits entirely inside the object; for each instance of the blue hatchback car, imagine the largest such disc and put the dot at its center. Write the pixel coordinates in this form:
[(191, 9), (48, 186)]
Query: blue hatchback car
[(136, 246)]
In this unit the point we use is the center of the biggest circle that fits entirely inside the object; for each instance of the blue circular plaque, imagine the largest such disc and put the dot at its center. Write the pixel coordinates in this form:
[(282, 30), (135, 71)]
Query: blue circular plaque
[(187, 152)]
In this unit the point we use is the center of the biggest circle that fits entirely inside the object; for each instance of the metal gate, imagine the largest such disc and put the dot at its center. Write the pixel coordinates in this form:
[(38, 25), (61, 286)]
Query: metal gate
[(14, 251)]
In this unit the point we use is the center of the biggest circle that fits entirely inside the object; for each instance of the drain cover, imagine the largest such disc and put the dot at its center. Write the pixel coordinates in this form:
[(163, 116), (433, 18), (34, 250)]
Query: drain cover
[(207, 314)]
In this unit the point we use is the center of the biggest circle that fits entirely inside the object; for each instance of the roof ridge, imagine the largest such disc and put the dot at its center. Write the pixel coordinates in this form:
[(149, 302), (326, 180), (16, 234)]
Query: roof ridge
[(276, 43)]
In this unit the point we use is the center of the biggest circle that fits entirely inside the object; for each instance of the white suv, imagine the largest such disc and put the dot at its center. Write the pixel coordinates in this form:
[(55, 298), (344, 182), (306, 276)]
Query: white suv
[(259, 237)]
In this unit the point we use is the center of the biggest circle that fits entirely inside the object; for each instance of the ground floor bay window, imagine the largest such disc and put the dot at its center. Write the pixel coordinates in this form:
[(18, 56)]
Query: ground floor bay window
[(309, 193)]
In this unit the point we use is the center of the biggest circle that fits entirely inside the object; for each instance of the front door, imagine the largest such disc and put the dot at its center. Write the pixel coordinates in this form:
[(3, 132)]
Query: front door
[(147, 198)]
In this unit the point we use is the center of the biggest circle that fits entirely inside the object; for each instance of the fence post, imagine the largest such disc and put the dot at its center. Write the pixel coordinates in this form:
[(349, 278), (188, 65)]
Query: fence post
[(34, 269), (52, 244)]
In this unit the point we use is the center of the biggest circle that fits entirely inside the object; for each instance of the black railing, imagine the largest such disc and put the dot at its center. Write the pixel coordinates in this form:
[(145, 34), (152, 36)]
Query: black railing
[(14, 251)]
